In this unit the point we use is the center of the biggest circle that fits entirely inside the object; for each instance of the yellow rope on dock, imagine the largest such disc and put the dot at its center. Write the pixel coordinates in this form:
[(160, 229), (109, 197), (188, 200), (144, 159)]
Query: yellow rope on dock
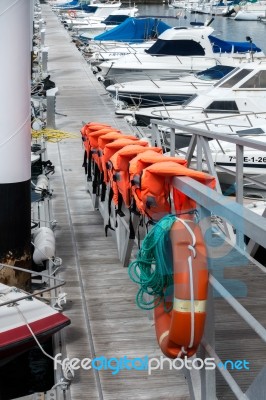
[(53, 135)]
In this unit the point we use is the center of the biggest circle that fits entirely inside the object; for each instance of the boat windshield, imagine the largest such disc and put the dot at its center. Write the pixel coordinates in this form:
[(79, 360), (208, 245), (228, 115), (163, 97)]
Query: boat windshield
[(115, 19), (251, 131), (258, 81), (217, 72), (176, 48), (222, 106), (189, 100), (226, 76), (236, 78)]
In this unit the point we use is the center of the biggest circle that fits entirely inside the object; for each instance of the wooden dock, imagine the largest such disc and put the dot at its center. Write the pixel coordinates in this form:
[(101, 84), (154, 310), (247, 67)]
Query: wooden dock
[(100, 296)]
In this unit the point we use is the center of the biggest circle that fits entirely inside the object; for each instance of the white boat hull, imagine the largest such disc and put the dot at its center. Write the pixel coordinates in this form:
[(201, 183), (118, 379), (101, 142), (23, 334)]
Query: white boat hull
[(243, 15)]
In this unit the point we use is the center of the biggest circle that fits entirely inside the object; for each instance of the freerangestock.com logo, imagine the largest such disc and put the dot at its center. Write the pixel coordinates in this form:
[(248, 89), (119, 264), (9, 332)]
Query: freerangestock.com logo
[(115, 365)]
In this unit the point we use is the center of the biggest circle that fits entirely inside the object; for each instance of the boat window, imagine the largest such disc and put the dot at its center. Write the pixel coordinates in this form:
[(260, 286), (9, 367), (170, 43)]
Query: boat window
[(222, 106), (189, 100), (176, 48), (115, 19), (258, 81), (251, 131), (216, 72), (226, 76), (236, 78)]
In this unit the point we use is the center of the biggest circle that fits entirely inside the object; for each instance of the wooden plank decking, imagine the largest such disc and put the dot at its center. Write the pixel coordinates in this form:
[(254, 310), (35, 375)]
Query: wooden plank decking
[(101, 297)]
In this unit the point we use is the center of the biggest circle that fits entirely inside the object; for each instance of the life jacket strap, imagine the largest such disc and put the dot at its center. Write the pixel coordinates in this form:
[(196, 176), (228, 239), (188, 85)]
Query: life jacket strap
[(108, 225), (85, 164), (89, 177)]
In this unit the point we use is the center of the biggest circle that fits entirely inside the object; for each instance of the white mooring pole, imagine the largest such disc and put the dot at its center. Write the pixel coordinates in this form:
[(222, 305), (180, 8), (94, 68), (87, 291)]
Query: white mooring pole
[(15, 140)]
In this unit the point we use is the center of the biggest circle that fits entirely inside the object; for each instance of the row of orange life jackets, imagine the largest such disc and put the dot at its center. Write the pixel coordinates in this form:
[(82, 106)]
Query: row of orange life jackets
[(138, 172)]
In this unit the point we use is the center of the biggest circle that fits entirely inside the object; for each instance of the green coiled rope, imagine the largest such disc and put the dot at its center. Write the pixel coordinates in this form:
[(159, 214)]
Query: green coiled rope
[(153, 268)]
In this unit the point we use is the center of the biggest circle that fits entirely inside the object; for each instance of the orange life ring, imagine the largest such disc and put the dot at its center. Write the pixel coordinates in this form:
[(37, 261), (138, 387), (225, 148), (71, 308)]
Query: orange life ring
[(72, 13), (179, 332)]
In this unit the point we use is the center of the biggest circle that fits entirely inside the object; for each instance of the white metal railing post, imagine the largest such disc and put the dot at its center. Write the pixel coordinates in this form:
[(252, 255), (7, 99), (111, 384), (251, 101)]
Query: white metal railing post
[(50, 113), (172, 142), (208, 377), (239, 188), (44, 60), (199, 154), (42, 37)]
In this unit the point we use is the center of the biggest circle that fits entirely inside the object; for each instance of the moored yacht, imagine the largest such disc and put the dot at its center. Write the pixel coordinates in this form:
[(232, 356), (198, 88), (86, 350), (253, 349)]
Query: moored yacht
[(96, 26), (101, 12), (178, 51), (241, 92), (152, 92), (132, 36), (234, 106), (247, 10)]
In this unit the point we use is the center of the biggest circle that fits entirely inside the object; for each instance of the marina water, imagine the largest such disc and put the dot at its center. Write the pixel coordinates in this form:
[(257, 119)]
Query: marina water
[(224, 28)]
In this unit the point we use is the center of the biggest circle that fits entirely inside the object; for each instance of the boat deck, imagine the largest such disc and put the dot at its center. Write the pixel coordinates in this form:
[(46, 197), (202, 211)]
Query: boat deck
[(101, 298)]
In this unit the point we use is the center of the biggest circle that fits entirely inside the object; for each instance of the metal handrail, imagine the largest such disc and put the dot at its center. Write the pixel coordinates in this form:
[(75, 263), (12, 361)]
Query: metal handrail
[(241, 141)]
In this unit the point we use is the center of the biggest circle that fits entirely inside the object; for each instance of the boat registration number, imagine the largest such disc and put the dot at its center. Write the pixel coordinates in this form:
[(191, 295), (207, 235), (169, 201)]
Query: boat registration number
[(250, 159)]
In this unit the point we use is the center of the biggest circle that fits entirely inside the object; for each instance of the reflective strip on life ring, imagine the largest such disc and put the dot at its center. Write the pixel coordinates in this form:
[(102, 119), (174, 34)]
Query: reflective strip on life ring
[(179, 332)]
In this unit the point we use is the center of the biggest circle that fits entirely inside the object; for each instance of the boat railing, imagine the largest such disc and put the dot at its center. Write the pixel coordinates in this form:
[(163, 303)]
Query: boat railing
[(239, 118), (105, 51), (184, 59), (176, 83)]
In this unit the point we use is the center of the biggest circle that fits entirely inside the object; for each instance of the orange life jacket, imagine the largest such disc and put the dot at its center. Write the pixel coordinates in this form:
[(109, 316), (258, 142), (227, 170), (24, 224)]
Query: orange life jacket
[(111, 148), (85, 131), (93, 142), (93, 135), (155, 185), (144, 160), (109, 138), (120, 169), (91, 138), (88, 128)]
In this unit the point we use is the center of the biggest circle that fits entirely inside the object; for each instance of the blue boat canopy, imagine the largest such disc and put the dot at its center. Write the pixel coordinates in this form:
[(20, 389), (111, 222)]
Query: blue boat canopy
[(68, 4), (188, 47), (135, 30), (83, 5), (223, 46)]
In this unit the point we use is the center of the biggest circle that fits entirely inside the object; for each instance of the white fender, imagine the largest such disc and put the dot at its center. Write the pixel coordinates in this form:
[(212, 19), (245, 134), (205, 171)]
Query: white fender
[(44, 245), (42, 183)]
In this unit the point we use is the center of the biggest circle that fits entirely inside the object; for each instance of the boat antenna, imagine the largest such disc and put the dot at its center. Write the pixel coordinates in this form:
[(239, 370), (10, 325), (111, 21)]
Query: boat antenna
[(208, 22), (249, 39)]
